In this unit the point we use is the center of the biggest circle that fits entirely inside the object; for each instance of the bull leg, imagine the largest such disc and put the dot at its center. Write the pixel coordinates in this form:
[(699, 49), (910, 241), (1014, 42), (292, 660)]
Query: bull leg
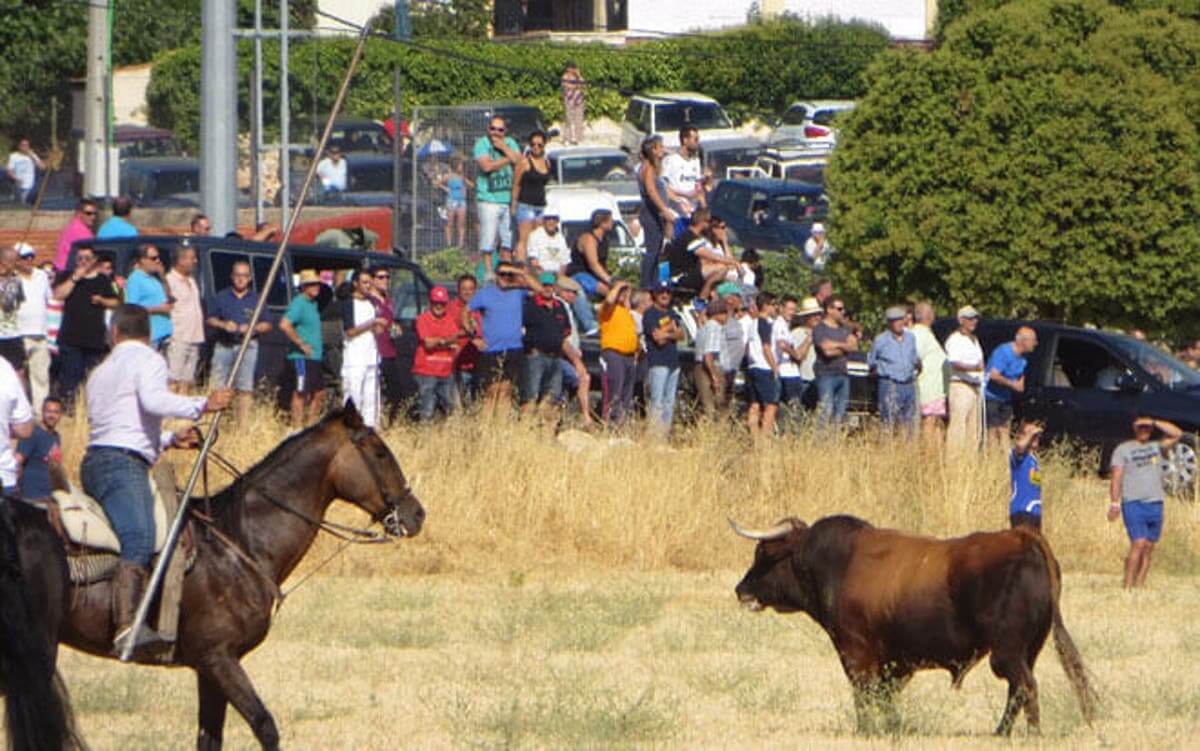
[(1022, 691), (212, 714), (229, 676)]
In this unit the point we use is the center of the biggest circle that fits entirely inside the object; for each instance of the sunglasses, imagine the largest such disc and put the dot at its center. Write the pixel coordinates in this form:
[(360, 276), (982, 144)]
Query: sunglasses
[(383, 276), (89, 213), (151, 258), (495, 130), (536, 144), (839, 308)]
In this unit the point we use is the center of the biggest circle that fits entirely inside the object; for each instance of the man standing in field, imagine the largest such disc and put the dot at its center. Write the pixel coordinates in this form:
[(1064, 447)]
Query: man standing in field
[(931, 383), (663, 330), (439, 336), (894, 359), (503, 357), (229, 315), (301, 324), (187, 320), (1006, 379), (835, 341), (708, 373), (1136, 492), (965, 359), (618, 353)]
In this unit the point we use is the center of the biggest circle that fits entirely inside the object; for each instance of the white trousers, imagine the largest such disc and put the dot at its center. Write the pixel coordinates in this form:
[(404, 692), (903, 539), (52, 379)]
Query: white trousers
[(361, 383), (37, 363)]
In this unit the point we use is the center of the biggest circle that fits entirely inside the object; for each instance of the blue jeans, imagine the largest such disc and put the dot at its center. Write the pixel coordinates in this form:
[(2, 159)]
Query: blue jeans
[(120, 481), (495, 223), (541, 378), (898, 404), (663, 384), (833, 397), (74, 365), (222, 362), (432, 391), (465, 386), (585, 314)]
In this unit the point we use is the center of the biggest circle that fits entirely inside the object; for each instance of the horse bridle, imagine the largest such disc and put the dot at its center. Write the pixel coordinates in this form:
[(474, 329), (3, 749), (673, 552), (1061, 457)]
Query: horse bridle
[(389, 515)]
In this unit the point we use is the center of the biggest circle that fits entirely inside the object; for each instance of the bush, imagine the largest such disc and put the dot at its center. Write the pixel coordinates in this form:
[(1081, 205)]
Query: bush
[(1042, 162), (755, 71)]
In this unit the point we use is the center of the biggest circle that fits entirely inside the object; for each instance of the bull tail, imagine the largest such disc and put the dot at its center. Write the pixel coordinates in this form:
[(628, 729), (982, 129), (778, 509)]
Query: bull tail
[(1064, 645), (35, 699)]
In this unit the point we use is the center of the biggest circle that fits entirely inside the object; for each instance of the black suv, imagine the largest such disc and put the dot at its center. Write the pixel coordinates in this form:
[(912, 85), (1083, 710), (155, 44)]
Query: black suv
[(1088, 385)]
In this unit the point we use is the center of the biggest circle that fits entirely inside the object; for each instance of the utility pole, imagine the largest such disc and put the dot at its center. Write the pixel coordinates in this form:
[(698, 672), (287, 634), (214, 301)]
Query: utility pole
[(218, 115), (402, 30), (95, 126)]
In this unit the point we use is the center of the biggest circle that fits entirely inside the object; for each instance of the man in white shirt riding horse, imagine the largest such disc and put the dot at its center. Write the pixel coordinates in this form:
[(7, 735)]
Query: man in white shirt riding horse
[(127, 398)]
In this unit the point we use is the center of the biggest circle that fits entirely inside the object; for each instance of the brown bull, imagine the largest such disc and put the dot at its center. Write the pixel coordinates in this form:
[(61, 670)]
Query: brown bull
[(894, 603)]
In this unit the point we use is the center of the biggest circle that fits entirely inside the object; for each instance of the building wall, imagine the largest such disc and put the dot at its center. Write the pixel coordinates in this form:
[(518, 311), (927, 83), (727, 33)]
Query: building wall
[(904, 19), (354, 11)]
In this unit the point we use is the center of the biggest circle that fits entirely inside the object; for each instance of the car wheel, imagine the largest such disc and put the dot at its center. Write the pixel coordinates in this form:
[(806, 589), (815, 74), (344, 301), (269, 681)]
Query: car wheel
[(1179, 474)]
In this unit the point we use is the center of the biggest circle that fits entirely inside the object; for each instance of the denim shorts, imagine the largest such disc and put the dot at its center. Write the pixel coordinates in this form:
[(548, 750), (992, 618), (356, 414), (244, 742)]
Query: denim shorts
[(588, 281), (529, 213), (1143, 519), (222, 361), (541, 378), (455, 203), (764, 386)]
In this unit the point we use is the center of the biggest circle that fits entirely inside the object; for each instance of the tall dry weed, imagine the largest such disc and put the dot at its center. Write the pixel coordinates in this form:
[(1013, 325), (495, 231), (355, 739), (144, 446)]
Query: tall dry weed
[(505, 498)]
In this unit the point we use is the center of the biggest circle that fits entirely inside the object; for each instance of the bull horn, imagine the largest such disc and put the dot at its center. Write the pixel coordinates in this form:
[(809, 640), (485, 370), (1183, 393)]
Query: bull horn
[(774, 533)]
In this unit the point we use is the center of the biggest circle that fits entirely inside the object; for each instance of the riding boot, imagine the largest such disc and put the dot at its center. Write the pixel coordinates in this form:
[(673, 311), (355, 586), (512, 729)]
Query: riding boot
[(129, 584)]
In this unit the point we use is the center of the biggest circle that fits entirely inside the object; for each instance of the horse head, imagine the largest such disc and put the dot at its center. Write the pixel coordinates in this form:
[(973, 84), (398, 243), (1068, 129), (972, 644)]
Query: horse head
[(366, 473)]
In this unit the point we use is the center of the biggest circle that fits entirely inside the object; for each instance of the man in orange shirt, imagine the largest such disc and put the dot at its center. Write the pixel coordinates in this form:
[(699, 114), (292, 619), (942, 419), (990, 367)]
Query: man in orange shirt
[(618, 352)]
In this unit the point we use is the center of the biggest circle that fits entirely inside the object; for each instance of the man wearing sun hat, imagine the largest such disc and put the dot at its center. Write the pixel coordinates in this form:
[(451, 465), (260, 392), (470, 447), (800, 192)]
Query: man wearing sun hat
[(1136, 491), (438, 341), (817, 248), (964, 357), (301, 324), (796, 376)]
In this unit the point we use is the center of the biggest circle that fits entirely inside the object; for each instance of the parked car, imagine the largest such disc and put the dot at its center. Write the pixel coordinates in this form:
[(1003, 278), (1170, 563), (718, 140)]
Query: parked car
[(368, 183), (1087, 385), (216, 256), (769, 214), (809, 124), (720, 155), (665, 113), (61, 193), (161, 182), (600, 167)]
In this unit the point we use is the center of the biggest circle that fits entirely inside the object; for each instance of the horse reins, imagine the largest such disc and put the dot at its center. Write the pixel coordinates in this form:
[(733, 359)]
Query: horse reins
[(343, 532)]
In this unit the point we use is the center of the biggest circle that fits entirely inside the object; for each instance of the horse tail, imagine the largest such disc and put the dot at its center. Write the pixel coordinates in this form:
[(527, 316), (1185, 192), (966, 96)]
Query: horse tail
[(1064, 645), (38, 709)]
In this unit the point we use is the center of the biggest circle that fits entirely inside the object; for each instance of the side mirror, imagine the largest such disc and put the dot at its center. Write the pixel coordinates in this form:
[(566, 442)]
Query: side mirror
[(1128, 383)]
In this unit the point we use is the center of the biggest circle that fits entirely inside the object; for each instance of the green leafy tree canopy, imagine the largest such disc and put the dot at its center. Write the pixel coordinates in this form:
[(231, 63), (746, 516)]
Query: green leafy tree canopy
[(1044, 161)]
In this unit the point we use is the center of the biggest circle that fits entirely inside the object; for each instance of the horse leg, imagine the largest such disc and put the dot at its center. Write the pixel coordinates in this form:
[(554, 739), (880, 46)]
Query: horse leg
[(212, 713), (231, 679)]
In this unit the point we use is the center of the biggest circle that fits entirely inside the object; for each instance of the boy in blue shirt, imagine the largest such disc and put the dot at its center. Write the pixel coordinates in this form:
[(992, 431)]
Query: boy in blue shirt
[(1025, 505)]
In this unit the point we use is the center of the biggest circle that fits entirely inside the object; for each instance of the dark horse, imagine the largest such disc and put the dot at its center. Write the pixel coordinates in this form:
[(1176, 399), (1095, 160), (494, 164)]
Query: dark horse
[(271, 513)]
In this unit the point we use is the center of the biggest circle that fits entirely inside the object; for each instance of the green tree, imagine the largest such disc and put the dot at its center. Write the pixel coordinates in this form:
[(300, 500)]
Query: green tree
[(951, 10), (1044, 161)]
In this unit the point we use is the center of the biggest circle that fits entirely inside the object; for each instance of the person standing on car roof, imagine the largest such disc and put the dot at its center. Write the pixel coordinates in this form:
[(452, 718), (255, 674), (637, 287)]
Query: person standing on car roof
[(572, 85), (656, 216), (964, 358), (1006, 379), (1136, 491), (495, 155), (683, 173)]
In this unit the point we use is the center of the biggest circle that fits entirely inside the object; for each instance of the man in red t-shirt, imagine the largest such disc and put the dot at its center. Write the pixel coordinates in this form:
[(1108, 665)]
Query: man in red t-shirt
[(468, 352), (438, 336)]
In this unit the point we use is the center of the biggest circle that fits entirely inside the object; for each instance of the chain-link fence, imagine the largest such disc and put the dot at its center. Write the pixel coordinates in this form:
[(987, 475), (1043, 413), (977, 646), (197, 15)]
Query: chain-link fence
[(442, 174)]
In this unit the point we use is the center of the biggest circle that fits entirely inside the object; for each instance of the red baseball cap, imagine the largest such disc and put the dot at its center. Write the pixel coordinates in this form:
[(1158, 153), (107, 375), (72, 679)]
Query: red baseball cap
[(439, 294)]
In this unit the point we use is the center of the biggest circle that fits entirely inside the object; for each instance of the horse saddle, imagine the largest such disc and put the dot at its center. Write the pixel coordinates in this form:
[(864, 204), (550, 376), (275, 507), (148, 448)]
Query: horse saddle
[(86, 524)]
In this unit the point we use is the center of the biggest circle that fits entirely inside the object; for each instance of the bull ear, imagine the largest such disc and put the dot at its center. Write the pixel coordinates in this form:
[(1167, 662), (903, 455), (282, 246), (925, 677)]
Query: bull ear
[(350, 416)]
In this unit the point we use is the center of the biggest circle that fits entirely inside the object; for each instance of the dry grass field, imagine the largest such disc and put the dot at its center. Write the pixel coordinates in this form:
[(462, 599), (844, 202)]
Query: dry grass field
[(583, 598)]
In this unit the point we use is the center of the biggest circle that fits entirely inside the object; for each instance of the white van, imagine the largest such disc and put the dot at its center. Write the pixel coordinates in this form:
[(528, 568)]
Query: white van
[(574, 207), (665, 113)]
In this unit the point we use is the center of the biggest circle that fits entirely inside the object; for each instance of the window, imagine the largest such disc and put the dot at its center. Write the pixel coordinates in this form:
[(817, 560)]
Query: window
[(1164, 368), (1081, 363), (221, 263), (733, 200), (807, 173), (798, 207), (828, 117), (703, 115), (581, 169), (795, 115), (633, 112), (371, 177), (278, 294), (408, 295), (173, 182)]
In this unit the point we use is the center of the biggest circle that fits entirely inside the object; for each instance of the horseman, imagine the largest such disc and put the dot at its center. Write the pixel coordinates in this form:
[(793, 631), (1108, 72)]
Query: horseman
[(127, 397)]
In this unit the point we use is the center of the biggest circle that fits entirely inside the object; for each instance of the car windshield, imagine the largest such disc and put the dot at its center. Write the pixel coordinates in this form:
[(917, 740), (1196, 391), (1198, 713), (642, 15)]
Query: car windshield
[(521, 122), (807, 173), (1169, 371), (702, 115), (798, 207), (827, 117), (365, 138), (174, 182), (373, 177), (582, 169), (162, 146), (795, 116)]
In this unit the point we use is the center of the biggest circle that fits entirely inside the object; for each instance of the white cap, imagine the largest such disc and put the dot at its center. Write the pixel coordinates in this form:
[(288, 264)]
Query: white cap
[(25, 250), (818, 228)]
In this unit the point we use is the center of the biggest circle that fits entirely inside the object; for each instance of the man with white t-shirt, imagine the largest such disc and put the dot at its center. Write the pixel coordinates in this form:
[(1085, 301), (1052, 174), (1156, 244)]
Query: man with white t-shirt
[(360, 352), (32, 324), (796, 350), (22, 169), (684, 174), (332, 171), (964, 357), (547, 245), (764, 370), (16, 421)]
